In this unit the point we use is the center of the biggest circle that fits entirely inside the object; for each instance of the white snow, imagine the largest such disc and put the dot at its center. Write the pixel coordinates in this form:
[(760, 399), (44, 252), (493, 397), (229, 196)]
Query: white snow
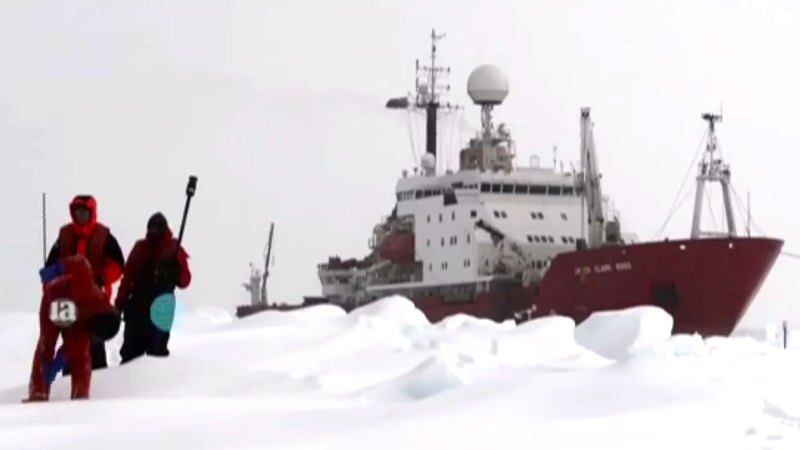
[(617, 334), (384, 377)]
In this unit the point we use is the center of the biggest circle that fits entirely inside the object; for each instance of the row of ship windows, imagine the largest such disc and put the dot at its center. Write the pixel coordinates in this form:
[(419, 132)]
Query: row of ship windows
[(532, 189), (531, 238), (535, 215), (467, 263), (494, 188), (550, 239), (453, 240)]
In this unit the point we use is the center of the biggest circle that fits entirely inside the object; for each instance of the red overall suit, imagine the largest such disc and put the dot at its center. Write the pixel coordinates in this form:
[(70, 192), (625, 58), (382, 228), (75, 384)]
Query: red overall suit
[(76, 284)]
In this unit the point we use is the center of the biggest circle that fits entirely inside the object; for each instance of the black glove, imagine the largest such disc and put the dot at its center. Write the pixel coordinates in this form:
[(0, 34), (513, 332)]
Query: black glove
[(104, 326)]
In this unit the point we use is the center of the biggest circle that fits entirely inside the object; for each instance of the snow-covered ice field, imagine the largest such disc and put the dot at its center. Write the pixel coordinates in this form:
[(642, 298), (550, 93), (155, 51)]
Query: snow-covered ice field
[(382, 377)]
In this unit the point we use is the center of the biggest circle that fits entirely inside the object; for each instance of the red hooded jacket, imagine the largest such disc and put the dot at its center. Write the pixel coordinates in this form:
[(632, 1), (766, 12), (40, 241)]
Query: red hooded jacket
[(93, 240), (145, 254)]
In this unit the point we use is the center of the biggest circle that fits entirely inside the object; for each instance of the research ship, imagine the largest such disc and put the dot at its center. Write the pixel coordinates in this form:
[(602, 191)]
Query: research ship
[(500, 240)]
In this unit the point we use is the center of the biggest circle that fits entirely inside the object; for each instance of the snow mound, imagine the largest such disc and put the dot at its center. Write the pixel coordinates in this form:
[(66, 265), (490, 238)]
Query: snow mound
[(396, 310), (546, 340), (308, 315), (618, 334), (463, 322), (200, 318), (738, 347), (471, 338), (681, 346), (434, 375), (377, 329)]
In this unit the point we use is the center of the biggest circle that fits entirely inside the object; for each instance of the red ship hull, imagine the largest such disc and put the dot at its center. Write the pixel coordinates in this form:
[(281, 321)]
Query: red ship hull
[(705, 284)]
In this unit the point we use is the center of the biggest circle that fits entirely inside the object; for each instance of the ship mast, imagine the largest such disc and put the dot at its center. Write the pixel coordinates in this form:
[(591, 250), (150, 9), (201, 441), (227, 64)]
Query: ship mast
[(712, 169), (430, 99), (427, 95), (589, 182), (266, 266), (257, 283)]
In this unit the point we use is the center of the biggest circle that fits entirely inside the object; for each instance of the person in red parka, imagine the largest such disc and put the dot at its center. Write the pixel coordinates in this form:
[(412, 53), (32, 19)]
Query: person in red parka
[(73, 307), (84, 235), (155, 264)]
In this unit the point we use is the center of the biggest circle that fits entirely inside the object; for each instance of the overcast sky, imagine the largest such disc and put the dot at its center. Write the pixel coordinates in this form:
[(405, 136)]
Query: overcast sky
[(278, 108)]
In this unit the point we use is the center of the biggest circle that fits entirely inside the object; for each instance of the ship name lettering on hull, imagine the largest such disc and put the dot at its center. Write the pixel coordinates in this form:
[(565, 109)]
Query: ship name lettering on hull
[(622, 266)]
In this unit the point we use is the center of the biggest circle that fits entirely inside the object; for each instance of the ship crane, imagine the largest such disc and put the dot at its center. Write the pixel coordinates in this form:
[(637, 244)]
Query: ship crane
[(601, 231), (589, 182), (257, 283), (503, 242)]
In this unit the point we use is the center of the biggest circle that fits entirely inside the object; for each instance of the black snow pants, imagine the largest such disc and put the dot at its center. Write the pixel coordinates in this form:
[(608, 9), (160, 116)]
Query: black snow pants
[(141, 336)]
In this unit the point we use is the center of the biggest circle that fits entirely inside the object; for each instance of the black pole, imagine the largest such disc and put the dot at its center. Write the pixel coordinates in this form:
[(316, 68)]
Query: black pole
[(191, 187)]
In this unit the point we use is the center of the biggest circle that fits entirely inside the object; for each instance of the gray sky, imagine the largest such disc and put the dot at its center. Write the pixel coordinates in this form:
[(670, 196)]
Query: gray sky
[(278, 108)]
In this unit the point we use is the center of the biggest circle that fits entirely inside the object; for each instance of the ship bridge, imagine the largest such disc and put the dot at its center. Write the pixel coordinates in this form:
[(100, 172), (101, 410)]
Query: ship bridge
[(523, 181)]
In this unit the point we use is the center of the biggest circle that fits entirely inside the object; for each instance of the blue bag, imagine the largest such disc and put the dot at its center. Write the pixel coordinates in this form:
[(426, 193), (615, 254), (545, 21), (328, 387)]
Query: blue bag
[(49, 273)]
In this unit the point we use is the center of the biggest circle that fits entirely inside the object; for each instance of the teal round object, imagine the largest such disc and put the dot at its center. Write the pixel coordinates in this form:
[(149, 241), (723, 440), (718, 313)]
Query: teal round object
[(162, 311)]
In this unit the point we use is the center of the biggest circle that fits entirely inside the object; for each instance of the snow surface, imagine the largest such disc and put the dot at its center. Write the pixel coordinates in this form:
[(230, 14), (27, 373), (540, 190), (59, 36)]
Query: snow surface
[(384, 377)]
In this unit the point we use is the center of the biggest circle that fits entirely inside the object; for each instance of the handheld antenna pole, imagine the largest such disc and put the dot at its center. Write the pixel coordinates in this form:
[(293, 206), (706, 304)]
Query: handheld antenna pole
[(191, 188)]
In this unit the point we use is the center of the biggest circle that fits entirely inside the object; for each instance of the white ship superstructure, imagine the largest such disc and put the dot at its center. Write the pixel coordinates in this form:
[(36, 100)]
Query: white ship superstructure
[(454, 234)]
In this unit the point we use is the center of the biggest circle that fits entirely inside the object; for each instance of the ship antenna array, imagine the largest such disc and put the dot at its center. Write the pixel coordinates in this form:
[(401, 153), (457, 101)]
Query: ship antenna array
[(428, 91), (430, 95)]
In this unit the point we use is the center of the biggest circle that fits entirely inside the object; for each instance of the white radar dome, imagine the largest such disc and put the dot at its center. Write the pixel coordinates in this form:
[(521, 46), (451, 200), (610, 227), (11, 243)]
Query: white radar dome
[(487, 85)]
